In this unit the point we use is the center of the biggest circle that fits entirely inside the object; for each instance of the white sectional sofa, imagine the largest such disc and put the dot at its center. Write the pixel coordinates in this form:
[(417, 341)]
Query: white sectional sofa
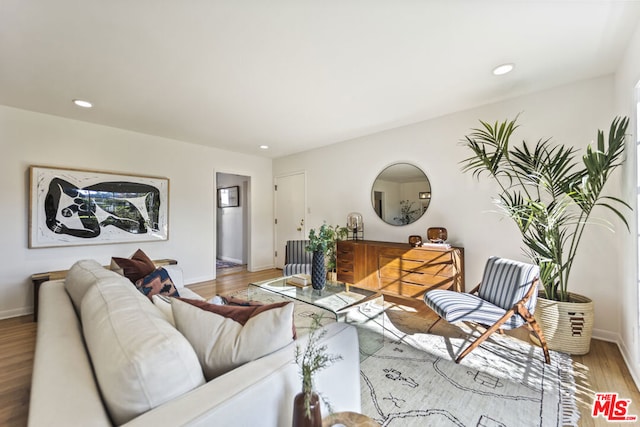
[(106, 355)]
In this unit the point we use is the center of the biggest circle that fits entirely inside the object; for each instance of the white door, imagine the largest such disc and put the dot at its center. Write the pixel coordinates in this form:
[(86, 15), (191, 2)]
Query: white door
[(290, 197)]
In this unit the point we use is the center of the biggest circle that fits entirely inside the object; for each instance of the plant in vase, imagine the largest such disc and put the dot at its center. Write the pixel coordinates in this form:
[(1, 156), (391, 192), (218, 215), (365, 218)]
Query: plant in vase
[(306, 407), (339, 233), (322, 244), (550, 197)]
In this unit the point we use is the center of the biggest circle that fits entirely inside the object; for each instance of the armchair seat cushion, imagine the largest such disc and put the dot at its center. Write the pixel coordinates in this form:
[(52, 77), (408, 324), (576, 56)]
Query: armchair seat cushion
[(457, 306)]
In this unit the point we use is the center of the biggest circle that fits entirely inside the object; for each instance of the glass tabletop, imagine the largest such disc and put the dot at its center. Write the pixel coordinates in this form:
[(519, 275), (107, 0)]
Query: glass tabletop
[(335, 297)]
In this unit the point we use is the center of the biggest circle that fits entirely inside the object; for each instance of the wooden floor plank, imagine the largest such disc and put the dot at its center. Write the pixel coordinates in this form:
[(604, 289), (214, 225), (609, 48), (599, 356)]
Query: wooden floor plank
[(602, 370)]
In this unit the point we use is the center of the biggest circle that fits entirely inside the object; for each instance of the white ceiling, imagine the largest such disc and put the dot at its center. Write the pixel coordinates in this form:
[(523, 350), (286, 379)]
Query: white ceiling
[(295, 74)]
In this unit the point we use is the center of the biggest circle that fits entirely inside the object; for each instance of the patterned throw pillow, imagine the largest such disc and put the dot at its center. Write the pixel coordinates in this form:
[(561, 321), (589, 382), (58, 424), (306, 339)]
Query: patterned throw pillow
[(157, 282), (134, 268)]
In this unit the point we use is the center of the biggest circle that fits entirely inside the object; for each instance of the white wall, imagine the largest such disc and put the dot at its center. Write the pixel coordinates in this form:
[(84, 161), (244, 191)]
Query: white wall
[(626, 89), (28, 138), (570, 114)]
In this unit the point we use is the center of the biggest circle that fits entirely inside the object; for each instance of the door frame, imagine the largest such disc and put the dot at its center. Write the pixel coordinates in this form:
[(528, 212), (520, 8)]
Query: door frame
[(275, 208), (246, 197)]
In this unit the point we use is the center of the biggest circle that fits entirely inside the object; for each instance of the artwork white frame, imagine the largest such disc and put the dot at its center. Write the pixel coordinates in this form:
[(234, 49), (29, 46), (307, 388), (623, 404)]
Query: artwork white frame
[(72, 207)]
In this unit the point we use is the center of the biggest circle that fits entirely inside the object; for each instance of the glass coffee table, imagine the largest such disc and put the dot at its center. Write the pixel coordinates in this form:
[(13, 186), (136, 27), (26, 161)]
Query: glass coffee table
[(341, 301)]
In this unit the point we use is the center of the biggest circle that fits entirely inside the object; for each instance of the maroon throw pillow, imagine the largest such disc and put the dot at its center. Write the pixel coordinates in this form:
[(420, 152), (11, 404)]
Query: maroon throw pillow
[(136, 267)]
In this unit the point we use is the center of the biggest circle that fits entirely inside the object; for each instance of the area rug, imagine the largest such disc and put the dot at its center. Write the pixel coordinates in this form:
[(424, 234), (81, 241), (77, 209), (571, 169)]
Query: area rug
[(225, 264), (408, 377), (413, 381)]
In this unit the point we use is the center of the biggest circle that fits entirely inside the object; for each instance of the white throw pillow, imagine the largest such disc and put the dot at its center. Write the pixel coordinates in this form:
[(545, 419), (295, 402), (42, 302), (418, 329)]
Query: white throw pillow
[(164, 305), (139, 359), (223, 343)]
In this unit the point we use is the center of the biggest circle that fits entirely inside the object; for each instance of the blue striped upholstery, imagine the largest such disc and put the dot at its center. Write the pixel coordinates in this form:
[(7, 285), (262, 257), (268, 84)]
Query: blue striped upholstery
[(297, 260), (504, 283)]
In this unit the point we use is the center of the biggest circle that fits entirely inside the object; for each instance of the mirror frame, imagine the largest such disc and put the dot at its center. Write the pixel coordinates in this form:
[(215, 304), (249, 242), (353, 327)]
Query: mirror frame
[(397, 174)]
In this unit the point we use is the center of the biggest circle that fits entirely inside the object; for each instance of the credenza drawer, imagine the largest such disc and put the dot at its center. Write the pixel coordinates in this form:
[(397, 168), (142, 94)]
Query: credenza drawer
[(345, 276), (398, 267), (345, 254)]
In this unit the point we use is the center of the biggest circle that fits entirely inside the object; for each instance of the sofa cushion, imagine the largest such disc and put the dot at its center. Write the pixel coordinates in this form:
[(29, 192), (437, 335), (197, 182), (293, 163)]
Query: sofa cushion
[(225, 337), (134, 268), (82, 275), (163, 304), (139, 359), (157, 282)]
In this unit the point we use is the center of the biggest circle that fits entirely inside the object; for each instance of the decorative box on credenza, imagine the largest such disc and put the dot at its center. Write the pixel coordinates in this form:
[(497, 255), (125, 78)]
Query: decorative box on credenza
[(398, 268)]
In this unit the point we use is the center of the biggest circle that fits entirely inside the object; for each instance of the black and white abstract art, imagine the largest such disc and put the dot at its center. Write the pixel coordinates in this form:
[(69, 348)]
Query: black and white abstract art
[(79, 207)]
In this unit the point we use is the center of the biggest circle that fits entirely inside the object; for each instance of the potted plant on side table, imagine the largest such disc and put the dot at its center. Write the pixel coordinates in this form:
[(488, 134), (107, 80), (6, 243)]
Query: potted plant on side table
[(550, 196)]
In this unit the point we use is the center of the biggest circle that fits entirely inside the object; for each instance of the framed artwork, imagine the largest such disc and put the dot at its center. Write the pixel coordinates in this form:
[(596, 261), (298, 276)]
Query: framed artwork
[(228, 197), (71, 207)]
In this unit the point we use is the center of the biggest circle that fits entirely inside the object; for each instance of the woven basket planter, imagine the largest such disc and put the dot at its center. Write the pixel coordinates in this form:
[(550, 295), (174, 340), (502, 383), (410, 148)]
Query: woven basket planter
[(566, 326)]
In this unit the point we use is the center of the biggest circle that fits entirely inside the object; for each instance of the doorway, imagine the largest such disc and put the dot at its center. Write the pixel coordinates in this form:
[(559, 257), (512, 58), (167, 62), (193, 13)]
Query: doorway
[(232, 223)]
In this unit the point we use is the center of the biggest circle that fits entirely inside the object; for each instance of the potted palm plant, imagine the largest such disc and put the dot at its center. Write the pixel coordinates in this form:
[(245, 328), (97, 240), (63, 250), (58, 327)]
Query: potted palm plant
[(551, 197)]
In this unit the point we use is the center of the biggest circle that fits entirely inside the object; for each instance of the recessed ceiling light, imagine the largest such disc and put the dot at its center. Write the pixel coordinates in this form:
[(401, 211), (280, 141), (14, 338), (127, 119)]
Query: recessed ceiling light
[(264, 147), (82, 103), (503, 69)]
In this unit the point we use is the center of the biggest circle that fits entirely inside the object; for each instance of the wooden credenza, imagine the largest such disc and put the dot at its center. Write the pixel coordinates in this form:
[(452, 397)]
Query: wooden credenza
[(398, 268)]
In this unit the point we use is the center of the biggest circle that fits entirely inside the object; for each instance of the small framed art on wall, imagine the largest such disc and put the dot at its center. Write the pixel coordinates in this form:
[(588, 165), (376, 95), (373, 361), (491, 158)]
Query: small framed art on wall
[(229, 197)]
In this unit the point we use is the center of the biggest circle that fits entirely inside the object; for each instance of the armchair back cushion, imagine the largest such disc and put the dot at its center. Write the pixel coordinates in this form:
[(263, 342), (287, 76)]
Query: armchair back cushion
[(297, 260), (506, 282)]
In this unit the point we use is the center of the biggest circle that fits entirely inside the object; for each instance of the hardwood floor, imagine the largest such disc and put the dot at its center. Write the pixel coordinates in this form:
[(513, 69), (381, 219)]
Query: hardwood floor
[(602, 370)]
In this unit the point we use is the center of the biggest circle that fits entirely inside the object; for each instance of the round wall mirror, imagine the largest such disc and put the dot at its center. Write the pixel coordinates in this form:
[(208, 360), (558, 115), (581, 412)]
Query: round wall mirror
[(401, 194)]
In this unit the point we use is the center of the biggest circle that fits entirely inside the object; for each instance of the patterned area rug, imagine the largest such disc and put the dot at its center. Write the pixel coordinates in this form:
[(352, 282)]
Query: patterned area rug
[(411, 380), (225, 264)]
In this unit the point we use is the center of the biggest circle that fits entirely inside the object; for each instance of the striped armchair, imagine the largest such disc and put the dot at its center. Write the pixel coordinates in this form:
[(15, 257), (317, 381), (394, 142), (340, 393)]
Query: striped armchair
[(297, 260), (505, 299)]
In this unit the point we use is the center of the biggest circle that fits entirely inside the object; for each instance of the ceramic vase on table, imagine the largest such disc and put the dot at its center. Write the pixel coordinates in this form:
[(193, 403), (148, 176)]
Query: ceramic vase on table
[(300, 418), (318, 271)]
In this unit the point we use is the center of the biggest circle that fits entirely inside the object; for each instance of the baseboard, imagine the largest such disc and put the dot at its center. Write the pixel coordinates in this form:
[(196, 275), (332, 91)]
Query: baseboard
[(195, 280), (601, 334), (16, 312), (261, 268), (633, 368)]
